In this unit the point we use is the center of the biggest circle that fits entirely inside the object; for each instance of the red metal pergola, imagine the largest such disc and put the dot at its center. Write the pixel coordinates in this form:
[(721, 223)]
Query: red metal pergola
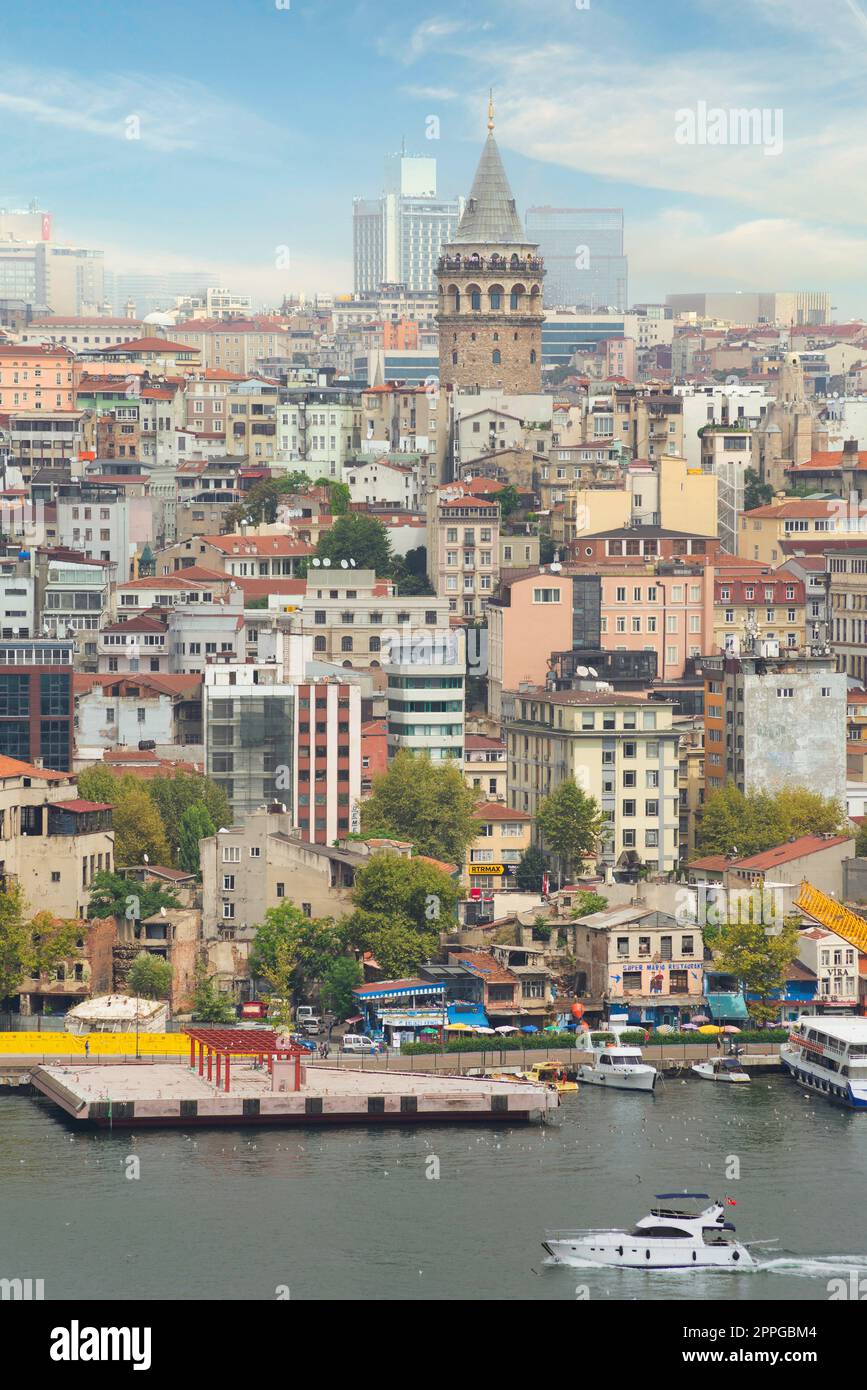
[(225, 1043)]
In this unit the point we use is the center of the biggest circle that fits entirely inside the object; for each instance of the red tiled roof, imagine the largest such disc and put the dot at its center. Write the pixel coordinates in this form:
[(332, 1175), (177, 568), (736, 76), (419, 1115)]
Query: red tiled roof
[(716, 863), (79, 807), (794, 507), (258, 545), (12, 767), (496, 811), (161, 684), (793, 849)]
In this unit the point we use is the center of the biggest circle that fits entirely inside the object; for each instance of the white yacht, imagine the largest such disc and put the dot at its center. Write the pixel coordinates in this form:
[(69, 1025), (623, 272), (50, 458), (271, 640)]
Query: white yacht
[(617, 1065), (727, 1069), (682, 1236), (830, 1056)]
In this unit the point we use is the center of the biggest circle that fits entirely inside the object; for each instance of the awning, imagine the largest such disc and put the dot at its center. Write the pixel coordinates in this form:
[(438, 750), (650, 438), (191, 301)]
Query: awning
[(358, 1018), (474, 1017), (727, 1007)]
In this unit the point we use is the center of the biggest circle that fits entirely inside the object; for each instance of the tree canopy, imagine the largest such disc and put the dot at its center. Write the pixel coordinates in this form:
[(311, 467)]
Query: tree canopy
[(357, 537), (150, 976), (152, 825), (757, 958), (112, 895), (341, 977), (401, 906), (426, 803), (31, 948), (196, 825), (571, 824), (528, 875), (734, 822), (292, 951)]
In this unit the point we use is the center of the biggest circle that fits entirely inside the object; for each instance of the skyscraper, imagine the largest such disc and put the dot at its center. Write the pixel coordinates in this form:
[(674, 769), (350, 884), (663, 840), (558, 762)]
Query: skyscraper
[(397, 237), (583, 253), (490, 287)]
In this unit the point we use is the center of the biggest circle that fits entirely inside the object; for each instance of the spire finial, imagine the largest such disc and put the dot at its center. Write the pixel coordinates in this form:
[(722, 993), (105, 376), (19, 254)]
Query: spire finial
[(491, 109)]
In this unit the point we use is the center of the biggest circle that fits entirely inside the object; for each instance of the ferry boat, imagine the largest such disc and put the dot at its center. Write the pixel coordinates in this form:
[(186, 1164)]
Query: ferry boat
[(671, 1237), (617, 1066), (830, 1056), (727, 1069)]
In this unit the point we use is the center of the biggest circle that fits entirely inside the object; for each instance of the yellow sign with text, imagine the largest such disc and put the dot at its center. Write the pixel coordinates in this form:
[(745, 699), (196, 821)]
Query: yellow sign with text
[(487, 869)]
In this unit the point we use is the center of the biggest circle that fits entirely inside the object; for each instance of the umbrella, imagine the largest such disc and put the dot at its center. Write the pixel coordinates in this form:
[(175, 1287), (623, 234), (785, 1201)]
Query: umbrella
[(665, 1028), (730, 1028), (700, 1018), (505, 1029), (529, 1030), (689, 1028), (710, 1030), (483, 1030), (459, 1027), (552, 1028)]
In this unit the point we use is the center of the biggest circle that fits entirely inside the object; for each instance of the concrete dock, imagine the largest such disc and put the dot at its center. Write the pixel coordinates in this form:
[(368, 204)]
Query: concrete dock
[(153, 1095)]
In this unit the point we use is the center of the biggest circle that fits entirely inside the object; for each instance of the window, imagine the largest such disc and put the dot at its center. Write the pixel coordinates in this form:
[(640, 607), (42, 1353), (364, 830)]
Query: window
[(546, 595), (231, 854)]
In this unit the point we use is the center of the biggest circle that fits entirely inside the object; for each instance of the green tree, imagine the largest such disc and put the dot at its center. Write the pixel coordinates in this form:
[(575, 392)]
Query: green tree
[(758, 960), (735, 823), (341, 977), (861, 841), (16, 941), (585, 903), (397, 946), (756, 493), (112, 895), (407, 889), (210, 1005), (97, 783), (509, 500), (360, 538), (138, 829), (420, 801), (292, 951), (571, 824), (339, 495), (150, 977), (52, 941), (528, 875), (196, 825), (175, 794)]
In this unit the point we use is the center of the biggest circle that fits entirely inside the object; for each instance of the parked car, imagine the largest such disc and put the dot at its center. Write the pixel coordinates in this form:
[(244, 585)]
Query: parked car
[(301, 1041), (359, 1043), (312, 1025), (304, 1011)]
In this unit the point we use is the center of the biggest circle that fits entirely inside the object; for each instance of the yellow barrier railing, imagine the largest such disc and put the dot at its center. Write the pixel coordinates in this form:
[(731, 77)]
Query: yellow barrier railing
[(101, 1044)]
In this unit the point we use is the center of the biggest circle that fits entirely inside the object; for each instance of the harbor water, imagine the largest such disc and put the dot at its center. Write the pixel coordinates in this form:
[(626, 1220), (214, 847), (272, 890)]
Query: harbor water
[(446, 1212)]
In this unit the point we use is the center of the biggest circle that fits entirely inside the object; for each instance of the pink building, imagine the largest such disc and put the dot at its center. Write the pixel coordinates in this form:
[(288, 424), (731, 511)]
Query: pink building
[(38, 378), (667, 609)]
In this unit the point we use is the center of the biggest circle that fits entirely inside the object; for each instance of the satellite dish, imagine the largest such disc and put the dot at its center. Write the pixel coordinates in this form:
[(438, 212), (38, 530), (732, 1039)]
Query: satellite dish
[(582, 670), (352, 564), (145, 859), (327, 564), (162, 912), (316, 561), (344, 564)]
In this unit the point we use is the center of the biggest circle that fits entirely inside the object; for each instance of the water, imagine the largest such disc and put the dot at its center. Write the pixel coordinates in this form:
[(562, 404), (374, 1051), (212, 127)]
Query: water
[(349, 1214)]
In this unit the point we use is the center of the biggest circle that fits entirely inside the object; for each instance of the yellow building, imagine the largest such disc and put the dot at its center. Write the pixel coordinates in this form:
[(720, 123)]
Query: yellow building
[(620, 749), (503, 838), (763, 530), (664, 493)]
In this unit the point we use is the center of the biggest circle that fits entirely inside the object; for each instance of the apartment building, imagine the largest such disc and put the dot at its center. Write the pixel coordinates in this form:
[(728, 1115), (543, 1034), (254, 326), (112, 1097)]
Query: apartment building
[(136, 707), (105, 522), (319, 429), (764, 530), (250, 723), (37, 377), (73, 599), (193, 585), (426, 693), (237, 347), (54, 438), (133, 644), (619, 749), (251, 421), (51, 843), (354, 617), (463, 548), (36, 702), (327, 761), (847, 609), (503, 837), (774, 719), (756, 603), (383, 481), (260, 554), (485, 768), (664, 494)]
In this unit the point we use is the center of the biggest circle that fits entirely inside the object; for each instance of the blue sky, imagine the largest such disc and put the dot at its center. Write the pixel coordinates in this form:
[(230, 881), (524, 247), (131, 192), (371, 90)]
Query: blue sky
[(257, 125)]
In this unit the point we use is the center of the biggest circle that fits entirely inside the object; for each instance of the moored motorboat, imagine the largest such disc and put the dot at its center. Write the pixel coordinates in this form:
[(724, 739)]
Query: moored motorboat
[(618, 1066), (671, 1237), (725, 1069)]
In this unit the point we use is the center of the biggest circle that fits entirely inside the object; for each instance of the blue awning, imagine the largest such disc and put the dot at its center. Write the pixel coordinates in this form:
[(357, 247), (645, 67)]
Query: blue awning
[(727, 1007), (474, 1018)]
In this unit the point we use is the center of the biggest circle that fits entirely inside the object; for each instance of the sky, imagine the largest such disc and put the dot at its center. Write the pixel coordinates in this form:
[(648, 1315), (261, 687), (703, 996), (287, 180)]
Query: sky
[(255, 123)]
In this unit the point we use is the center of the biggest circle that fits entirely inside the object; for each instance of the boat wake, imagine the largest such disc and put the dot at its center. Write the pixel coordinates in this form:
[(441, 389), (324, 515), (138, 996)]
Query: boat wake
[(813, 1266)]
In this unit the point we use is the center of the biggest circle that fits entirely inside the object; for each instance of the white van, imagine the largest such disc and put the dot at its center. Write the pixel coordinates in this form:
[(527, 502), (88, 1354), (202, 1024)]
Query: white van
[(357, 1042)]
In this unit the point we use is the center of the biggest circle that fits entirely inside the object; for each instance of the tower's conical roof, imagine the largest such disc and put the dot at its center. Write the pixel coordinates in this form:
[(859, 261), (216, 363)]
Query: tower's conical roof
[(490, 216)]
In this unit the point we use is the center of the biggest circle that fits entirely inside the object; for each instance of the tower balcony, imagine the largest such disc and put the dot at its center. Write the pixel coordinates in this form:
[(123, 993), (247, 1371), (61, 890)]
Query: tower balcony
[(491, 265)]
